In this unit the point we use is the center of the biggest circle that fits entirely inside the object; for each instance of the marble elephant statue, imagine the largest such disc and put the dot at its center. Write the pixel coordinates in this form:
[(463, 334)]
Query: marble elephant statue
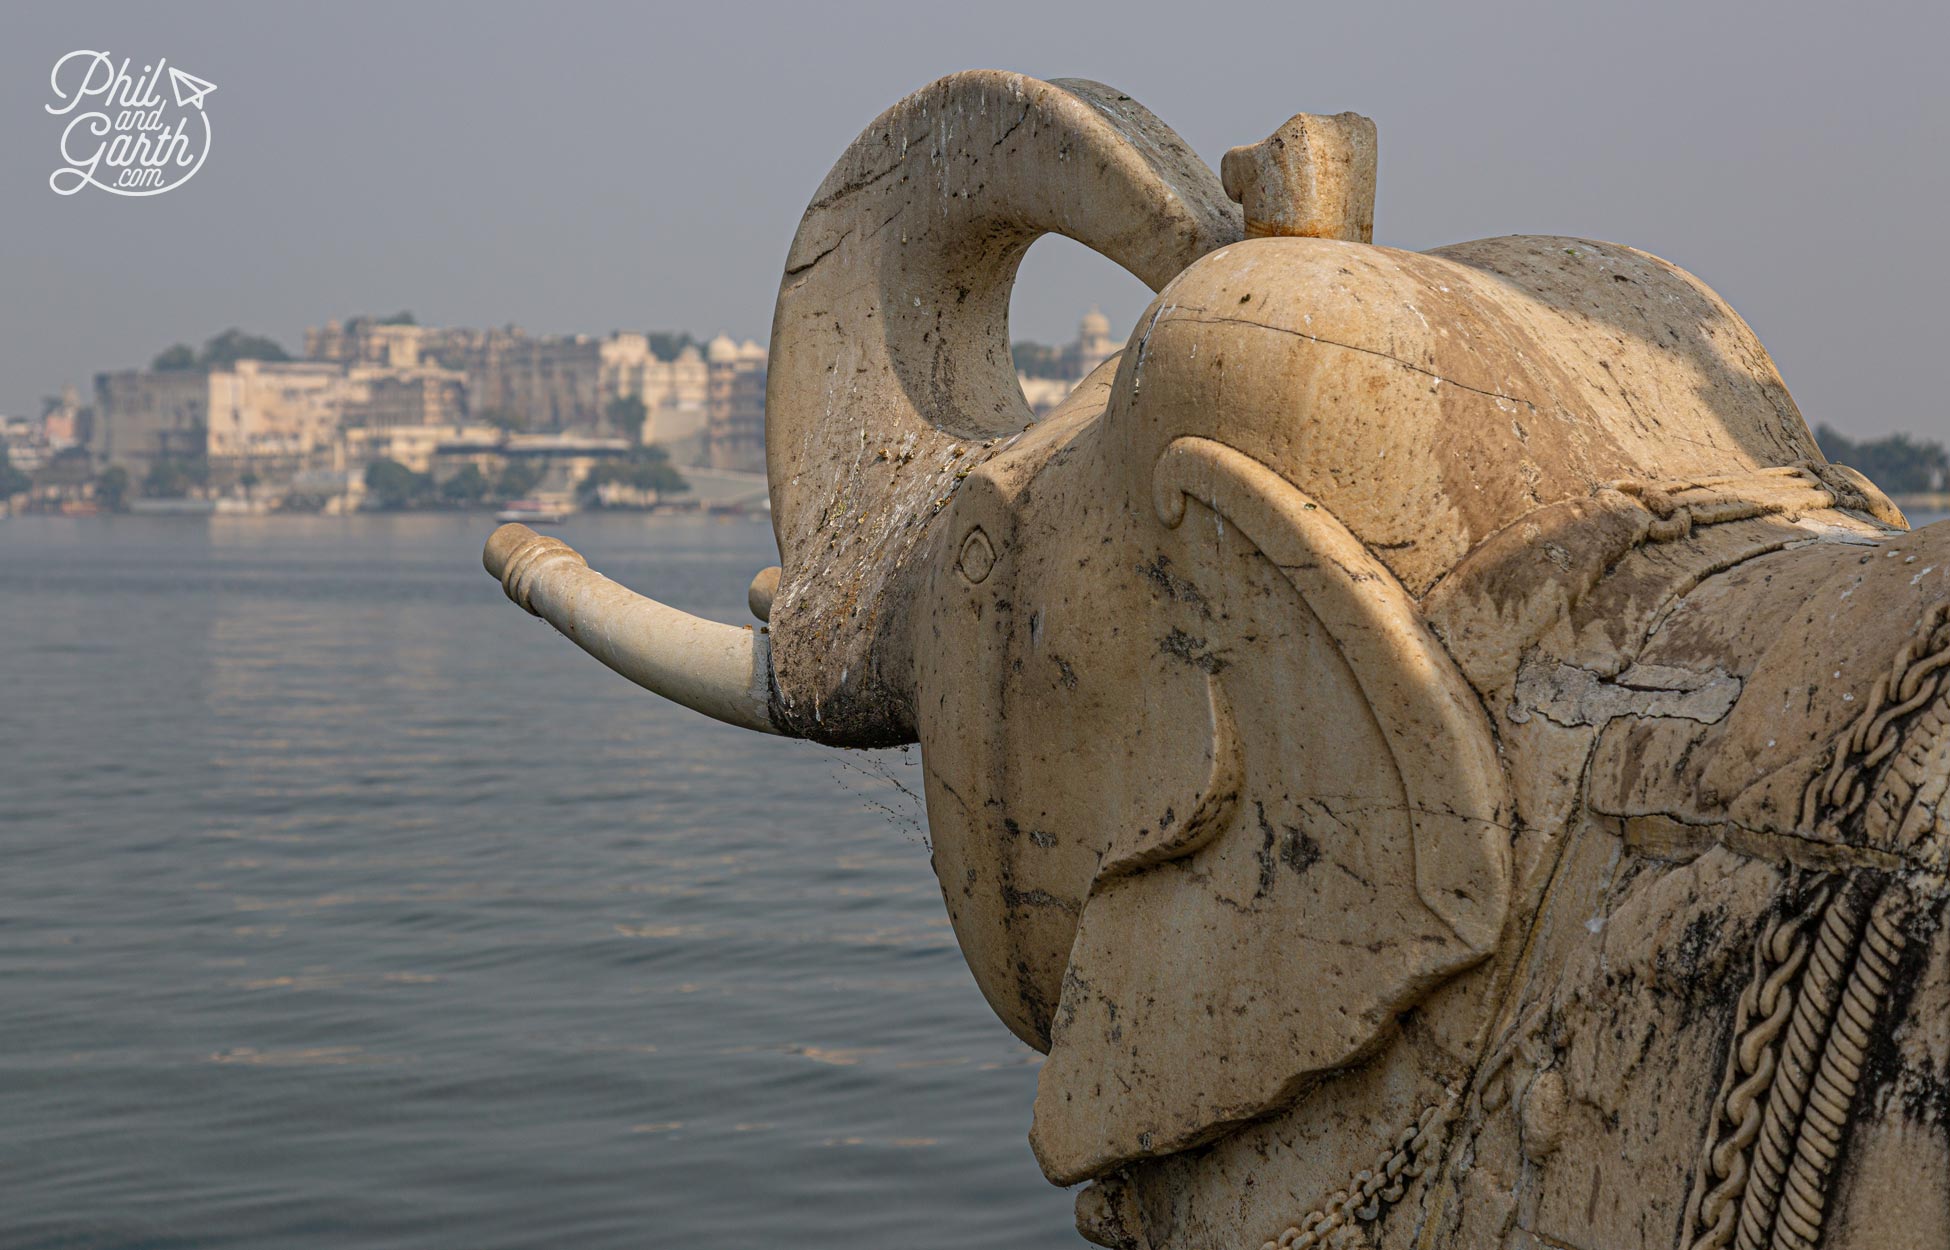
[(1424, 742)]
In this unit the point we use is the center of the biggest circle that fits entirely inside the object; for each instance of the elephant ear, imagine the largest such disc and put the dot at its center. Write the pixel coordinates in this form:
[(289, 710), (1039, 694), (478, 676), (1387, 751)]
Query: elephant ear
[(1346, 851)]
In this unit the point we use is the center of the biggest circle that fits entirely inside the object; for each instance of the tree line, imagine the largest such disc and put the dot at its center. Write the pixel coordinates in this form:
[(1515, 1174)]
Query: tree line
[(1900, 464), (219, 352), (392, 487)]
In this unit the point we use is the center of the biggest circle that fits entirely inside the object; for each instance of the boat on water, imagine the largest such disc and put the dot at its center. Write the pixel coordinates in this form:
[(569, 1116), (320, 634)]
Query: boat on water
[(531, 511)]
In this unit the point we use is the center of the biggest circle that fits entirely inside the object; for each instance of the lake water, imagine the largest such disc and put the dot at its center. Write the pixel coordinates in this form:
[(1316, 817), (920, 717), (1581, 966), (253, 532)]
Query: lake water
[(346, 905)]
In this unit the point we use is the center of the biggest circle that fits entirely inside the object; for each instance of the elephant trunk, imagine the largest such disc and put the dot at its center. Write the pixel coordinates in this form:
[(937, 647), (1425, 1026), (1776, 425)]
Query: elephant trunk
[(890, 374), (723, 671)]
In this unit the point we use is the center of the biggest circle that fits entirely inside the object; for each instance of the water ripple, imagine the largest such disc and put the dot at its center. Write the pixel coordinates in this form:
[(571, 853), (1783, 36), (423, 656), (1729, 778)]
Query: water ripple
[(347, 906)]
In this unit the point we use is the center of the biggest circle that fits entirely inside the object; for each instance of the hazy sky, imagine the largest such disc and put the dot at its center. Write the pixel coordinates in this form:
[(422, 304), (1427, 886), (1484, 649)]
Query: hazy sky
[(578, 166)]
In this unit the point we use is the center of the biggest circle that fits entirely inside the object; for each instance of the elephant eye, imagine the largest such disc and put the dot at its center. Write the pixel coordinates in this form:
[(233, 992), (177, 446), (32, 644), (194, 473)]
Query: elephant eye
[(977, 555)]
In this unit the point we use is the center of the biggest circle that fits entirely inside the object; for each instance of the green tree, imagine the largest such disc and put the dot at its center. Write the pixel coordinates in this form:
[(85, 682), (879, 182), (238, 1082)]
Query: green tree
[(248, 479), (171, 477), (1036, 360), (234, 345), (1898, 463), (468, 486), (178, 359), (112, 488), (647, 469), (394, 486), (12, 481), (503, 419), (666, 345), (517, 480), (626, 415), (400, 318)]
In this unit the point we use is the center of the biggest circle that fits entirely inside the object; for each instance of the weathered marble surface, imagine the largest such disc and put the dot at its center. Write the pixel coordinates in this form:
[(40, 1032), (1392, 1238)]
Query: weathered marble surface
[(1425, 742)]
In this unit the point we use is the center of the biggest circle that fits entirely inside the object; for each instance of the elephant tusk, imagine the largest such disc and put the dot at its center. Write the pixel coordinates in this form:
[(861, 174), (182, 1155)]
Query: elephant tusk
[(723, 671)]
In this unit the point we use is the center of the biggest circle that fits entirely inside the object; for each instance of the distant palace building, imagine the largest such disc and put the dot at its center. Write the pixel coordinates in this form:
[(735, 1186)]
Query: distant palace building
[(258, 416), (547, 383), (371, 389), (1071, 364), (735, 404)]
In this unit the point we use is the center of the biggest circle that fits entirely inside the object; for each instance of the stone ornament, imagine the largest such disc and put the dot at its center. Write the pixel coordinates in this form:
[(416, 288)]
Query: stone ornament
[(1424, 742)]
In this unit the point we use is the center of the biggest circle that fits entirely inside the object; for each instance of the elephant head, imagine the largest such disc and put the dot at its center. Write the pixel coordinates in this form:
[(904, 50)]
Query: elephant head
[(1070, 641), (1213, 800)]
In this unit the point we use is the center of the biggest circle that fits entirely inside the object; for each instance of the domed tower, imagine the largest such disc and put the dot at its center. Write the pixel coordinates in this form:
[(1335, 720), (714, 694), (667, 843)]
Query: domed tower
[(1094, 344)]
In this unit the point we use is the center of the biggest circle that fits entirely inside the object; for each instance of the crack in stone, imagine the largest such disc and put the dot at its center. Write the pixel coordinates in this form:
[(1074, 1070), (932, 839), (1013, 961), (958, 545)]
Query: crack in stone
[(1013, 127), (795, 270), (827, 201), (1568, 695), (1642, 836), (1366, 351)]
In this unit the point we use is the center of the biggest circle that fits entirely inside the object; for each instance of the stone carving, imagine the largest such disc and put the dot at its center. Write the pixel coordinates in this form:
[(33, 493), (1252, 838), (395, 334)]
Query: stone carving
[(1424, 742)]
